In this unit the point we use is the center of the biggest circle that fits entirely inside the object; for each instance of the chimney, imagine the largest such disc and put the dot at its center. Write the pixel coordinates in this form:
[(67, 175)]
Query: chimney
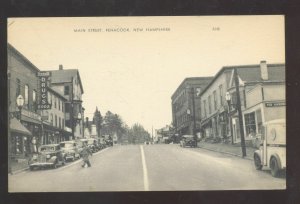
[(61, 67), (264, 70)]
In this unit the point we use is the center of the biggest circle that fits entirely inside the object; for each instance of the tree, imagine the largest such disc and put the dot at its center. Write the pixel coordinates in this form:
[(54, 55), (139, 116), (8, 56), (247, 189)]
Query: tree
[(113, 124), (98, 120), (137, 134)]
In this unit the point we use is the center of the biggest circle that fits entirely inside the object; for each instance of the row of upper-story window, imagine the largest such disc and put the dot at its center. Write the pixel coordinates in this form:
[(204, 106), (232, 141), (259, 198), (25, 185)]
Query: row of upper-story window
[(182, 119), (214, 101), (180, 100), (56, 102), (31, 104), (57, 121), (210, 106)]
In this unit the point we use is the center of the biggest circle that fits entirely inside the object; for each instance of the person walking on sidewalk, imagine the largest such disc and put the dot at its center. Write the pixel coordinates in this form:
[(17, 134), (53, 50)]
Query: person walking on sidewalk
[(85, 153)]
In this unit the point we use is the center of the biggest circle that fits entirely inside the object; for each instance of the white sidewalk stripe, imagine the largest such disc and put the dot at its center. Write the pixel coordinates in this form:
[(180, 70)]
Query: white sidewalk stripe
[(146, 183)]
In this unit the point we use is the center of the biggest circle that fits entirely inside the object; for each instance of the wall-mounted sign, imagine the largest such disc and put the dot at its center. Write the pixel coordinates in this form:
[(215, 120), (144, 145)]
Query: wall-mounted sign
[(274, 104), (43, 97)]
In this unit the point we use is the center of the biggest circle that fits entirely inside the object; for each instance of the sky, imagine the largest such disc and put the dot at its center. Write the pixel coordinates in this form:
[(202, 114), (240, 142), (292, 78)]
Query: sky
[(130, 69)]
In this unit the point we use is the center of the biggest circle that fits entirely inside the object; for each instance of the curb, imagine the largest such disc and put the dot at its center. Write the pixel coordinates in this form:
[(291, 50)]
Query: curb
[(19, 171), (229, 153), (27, 168)]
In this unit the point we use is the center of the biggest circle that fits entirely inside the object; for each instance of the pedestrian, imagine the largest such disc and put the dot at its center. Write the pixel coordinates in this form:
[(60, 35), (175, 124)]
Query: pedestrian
[(85, 153)]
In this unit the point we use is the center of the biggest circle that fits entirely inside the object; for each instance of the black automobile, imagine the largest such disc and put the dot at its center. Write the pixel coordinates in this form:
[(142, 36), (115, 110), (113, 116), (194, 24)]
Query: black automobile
[(188, 140), (48, 156)]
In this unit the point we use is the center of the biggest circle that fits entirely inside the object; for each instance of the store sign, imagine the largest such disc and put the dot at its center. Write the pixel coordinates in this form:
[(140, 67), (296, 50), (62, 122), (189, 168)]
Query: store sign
[(30, 114), (274, 104), (43, 99)]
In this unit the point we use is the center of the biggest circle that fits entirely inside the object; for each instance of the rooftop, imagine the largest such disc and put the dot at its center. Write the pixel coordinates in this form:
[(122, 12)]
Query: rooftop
[(252, 73)]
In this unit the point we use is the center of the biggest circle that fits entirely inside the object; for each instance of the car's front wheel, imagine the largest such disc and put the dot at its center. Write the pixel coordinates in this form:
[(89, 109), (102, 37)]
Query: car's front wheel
[(274, 167)]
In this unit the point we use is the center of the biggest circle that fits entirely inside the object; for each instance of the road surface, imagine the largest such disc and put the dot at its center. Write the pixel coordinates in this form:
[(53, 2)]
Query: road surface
[(158, 167)]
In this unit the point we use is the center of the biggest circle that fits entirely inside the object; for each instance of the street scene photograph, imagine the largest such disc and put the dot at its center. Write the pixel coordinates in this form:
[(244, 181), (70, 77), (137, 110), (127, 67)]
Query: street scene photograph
[(181, 103)]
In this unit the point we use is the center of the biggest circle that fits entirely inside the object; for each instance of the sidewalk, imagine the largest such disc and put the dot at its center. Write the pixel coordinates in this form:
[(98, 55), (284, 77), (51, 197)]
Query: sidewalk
[(18, 166), (234, 150)]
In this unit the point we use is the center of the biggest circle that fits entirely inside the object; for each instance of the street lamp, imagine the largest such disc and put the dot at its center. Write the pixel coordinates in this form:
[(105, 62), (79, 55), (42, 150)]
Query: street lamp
[(228, 99), (20, 103)]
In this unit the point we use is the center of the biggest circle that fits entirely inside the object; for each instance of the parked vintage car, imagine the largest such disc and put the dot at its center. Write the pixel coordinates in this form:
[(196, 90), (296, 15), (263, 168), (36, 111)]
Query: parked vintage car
[(70, 150), (188, 140), (48, 156), (93, 144), (272, 151), (79, 144)]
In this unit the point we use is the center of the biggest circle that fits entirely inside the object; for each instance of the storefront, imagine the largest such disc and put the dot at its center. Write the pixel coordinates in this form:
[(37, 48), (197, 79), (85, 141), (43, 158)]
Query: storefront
[(32, 122), (207, 128), (20, 139), (53, 135)]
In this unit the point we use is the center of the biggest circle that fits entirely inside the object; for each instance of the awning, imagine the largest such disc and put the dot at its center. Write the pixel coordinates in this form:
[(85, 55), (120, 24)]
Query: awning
[(30, 120), (16, 126)]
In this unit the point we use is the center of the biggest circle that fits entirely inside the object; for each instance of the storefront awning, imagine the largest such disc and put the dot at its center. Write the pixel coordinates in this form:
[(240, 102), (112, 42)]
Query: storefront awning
[(16, 126)]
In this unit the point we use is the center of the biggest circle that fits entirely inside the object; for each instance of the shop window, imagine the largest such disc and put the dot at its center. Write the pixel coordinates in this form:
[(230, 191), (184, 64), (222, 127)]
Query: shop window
[(49, 98), (204, 104), (221, 94), (209, 104), (18, 90), (34, 100), (34, 96), (26, 95), (66, 90), (259, 121), (215, 100), (250, 124)]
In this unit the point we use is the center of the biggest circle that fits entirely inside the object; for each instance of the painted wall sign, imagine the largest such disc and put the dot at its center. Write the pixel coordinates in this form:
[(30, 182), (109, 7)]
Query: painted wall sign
[(274, 104), (43, 98)]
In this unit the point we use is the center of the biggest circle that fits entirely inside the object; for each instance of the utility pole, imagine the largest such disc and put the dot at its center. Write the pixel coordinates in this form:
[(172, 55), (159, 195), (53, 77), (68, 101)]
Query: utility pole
[(194, 115), (239, 109)]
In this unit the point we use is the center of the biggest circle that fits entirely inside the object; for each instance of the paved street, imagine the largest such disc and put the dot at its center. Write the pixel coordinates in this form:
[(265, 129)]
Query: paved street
[(149, 167)]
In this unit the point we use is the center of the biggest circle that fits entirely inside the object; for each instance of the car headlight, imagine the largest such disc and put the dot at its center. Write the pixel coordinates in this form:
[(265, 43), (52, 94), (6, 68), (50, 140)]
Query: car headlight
[(48, 156)]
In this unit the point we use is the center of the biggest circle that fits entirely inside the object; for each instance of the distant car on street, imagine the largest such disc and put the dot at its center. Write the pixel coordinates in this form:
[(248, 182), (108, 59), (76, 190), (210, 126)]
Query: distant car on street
[(49, 156), (70, 150), (188, 140)]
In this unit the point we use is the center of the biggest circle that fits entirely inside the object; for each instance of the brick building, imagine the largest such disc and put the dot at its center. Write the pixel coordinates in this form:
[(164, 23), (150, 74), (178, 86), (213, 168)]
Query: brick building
[(23, 81), (182, 104)]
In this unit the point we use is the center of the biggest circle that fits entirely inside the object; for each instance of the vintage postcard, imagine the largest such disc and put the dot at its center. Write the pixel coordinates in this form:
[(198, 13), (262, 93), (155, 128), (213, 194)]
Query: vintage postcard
[(185, 103)]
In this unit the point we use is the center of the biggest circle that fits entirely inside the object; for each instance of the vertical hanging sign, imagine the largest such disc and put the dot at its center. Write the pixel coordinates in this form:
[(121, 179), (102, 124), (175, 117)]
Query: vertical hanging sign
[(43, 93)]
